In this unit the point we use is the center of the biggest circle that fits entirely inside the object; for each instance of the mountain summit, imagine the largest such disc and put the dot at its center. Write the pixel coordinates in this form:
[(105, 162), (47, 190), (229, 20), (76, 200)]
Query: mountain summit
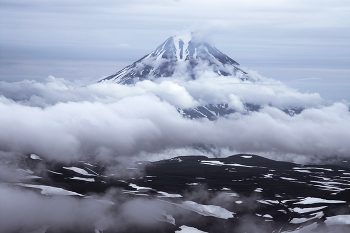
[(181, 56), (187, 57)]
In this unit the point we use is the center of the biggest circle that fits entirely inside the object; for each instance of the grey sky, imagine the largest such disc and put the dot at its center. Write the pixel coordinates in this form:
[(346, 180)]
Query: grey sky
[(302, 43)]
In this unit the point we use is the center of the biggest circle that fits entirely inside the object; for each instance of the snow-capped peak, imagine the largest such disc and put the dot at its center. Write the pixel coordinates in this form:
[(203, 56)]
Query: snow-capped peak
[(179, 55), (181, 45)]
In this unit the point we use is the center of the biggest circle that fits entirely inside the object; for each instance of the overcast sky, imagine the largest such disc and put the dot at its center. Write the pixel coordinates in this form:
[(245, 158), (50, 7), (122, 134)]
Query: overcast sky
[(302, 43)]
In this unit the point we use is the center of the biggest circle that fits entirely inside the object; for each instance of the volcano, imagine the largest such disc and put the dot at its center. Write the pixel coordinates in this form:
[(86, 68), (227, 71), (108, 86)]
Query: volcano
[(187, 57), (183, 56)]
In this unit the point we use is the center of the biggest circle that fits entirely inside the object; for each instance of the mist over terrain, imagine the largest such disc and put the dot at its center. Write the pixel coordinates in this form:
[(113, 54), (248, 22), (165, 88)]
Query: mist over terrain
[(82, 150), (62, 121)]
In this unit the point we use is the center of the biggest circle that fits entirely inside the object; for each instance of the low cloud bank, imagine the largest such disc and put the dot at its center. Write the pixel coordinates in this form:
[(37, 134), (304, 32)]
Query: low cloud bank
[(59, 121)]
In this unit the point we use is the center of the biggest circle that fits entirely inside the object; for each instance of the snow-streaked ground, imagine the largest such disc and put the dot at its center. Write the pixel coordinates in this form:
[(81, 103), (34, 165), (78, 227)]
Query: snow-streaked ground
[(165, 194), (186, 229), (313, 200), (84, 179), (48, 190), (302, 220), (306, 210), (79, 170), (35, 157), (207, 210)]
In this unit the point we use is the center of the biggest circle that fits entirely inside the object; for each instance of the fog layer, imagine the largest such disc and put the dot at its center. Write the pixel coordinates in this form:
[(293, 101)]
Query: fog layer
[(61, 121)]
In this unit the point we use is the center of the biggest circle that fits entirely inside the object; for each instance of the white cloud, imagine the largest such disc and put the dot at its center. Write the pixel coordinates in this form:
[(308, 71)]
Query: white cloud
[(170, 92), (58, 121), (235, 103)]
